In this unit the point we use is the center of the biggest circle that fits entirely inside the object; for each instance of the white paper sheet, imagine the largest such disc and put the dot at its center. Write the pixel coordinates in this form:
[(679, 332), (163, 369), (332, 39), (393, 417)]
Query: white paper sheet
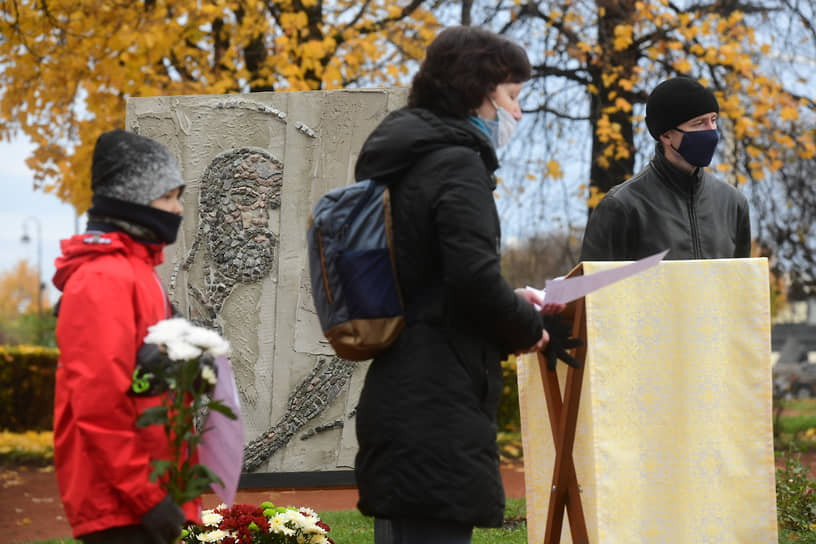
[(563, 290), (222, 445)]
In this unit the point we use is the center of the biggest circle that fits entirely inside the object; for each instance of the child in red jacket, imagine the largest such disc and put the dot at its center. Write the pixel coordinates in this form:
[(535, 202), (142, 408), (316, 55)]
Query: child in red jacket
[(110, 296)]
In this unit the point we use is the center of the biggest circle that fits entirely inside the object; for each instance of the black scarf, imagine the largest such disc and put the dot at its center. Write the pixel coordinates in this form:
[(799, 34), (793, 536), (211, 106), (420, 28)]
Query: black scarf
[(139, 221)]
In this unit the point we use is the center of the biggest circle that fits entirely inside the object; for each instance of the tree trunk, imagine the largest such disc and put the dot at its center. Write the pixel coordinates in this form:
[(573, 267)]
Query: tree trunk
[(467, 6), (605, 176)]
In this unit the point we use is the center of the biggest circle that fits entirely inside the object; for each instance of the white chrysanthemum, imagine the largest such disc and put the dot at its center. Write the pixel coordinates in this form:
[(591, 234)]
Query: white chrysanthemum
[(319, 539), (310, 527), (306, 511), (208, 340), (211, 519), (294, 518), (208, 375), (278, 525), (180, 350), (167, 331), (213, 536)]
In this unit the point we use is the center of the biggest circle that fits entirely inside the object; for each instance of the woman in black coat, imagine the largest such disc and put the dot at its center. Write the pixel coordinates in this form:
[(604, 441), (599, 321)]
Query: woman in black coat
[(428, 464)]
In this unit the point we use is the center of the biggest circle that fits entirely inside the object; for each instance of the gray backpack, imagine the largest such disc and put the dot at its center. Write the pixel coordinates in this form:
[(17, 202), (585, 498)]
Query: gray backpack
[(353, 270)]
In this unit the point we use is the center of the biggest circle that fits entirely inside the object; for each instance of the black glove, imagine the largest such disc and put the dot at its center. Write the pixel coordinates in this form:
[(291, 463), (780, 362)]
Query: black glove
[(164, 521), (560, 341), (151, 367)]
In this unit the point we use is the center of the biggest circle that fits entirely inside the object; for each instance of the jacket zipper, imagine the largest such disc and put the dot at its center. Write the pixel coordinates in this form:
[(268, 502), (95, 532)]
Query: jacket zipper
[(695, 235)]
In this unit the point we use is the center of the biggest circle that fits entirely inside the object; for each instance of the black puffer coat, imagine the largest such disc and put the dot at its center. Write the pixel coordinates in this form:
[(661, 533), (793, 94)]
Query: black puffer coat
[(694, 216), (426, 421)]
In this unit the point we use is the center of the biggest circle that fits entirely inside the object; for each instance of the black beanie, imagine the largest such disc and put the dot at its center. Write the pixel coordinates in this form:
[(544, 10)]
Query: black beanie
[(675, 101), (133, 168)]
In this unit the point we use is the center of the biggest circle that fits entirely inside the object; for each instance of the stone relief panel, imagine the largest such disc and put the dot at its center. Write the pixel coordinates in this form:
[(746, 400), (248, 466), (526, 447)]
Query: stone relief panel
[(254, 166), (240, 191)]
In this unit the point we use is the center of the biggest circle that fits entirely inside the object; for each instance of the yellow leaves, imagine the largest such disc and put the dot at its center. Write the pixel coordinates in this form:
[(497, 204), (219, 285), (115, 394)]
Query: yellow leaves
[(735, 17), (292, 22), (31, 442), (607, 131), (625, 84), (807, 149), (553, 170), (784, 139), (623, 37), (682, 65), (70, 80), (595, 196), (622, 104), (789, 113)]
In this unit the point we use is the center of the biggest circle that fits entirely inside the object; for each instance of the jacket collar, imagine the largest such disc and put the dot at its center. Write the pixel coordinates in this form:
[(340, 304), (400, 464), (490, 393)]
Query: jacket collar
[(679, 181), (82, 248)]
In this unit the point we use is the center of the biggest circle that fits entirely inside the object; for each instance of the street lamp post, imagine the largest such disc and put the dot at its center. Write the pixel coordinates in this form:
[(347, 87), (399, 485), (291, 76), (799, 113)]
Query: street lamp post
[(25, 239)]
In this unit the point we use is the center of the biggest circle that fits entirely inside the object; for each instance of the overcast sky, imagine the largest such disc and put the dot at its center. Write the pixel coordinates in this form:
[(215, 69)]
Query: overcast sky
[(20, 201)]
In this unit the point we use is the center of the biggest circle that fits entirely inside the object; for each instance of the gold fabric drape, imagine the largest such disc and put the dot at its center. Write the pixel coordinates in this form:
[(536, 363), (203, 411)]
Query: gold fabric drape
[(674, 439)]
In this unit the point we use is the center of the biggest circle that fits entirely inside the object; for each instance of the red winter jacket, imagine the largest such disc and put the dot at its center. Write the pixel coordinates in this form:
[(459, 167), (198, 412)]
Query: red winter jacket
[(111, 295)]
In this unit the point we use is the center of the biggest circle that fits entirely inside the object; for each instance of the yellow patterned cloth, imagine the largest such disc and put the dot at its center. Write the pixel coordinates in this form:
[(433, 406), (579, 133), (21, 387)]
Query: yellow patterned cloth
[(674, 440)]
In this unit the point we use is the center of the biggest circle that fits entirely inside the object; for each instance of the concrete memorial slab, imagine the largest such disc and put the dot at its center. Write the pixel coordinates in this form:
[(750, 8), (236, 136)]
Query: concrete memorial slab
[(254, 165)]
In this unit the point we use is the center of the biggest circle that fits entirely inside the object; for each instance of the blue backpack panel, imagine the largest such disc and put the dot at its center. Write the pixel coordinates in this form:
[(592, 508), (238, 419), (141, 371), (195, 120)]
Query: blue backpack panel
[(353, 270)]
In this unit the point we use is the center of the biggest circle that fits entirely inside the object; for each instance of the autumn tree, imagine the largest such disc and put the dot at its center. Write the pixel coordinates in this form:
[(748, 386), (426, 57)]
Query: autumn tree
[(594, 64), (66, 68), (21, 321)]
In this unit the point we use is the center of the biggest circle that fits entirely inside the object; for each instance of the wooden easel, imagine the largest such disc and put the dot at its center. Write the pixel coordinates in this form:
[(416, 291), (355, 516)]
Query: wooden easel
[(565, 492)]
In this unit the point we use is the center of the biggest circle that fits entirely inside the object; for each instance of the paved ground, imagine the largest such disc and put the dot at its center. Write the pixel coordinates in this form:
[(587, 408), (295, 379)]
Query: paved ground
[(30, 507)]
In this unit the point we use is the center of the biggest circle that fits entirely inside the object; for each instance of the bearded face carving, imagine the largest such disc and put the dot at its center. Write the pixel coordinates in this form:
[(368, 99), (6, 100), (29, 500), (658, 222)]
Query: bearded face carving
[(239, 191), (242, 187)]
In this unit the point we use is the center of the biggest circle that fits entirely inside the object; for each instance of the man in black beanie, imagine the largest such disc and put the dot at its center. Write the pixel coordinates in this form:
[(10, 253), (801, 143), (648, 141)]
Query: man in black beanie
[(110, 296), (674, 203)]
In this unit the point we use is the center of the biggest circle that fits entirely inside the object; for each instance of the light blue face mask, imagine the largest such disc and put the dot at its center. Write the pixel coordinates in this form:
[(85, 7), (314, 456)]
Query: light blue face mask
[(500, 129), (492, 131), (505, 125)]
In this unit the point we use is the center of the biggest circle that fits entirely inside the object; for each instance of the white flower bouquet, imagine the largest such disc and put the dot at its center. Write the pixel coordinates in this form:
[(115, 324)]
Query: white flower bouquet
[(177, 359)]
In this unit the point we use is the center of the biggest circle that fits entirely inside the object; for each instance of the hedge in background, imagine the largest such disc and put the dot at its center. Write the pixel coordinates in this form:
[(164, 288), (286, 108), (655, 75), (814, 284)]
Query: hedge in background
[(27, 387), (27, 390)]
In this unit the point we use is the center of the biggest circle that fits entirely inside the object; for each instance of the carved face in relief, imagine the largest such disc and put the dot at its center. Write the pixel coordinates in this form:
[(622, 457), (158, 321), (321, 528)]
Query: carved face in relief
[(239, 189)]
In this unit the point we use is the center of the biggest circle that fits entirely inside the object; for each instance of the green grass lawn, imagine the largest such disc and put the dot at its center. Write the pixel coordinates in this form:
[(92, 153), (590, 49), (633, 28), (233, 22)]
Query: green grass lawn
[(351, 527), (796, 428)]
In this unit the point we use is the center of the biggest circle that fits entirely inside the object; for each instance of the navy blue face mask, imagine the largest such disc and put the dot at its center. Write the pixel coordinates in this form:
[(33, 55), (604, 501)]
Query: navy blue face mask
[(697, 147)]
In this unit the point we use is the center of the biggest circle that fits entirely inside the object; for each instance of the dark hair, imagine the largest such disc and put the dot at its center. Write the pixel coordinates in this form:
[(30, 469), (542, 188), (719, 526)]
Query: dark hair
[(462, 66)]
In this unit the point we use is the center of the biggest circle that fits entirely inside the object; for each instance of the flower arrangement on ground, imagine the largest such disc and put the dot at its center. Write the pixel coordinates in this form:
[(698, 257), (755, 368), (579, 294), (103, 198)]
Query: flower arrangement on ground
[(178, 358), (264, 524)]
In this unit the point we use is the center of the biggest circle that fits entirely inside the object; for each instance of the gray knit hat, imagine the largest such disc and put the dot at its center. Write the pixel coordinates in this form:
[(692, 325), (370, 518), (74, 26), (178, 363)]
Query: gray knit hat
[(133, 168)]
